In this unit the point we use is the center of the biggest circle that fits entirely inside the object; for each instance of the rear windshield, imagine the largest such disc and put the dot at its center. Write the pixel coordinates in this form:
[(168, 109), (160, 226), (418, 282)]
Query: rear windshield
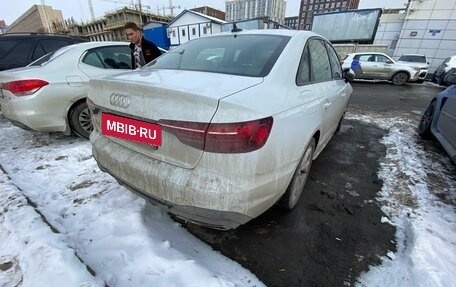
[(245, 55), (49, 57), (413, 58)]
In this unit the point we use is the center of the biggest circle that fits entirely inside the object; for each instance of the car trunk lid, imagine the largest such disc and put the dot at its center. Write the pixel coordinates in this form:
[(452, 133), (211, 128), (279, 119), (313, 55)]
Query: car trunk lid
[(161, 96)]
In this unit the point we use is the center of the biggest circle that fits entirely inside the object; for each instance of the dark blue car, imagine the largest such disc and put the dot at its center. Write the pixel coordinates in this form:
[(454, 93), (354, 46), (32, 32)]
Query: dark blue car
[(439, 120)]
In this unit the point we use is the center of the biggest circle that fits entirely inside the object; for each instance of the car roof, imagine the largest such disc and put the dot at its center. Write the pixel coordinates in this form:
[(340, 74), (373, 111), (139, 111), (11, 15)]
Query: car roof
[(279, 32), (89, 45), (38, 35), (414, 55), (367, 53)]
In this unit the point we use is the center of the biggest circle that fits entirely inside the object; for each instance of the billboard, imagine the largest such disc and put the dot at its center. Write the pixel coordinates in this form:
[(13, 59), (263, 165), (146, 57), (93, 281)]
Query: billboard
[(349, 26)]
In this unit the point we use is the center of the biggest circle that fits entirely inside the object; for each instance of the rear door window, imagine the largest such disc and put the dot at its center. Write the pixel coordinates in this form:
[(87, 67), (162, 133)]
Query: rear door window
[(366, 58), (319, 61), (39, 51), (112, 57), (6, 46), (15, 52), (335, 62), (303, 76), (381, 59)]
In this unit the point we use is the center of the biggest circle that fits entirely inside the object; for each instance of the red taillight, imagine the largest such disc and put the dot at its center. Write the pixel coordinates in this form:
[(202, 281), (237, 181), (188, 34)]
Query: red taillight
[(24, 87), (221, 138), (189, 133)]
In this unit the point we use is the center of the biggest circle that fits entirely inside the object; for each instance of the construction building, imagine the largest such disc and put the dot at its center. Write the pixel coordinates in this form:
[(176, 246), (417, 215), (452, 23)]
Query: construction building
[(3, 27), (110, 26), (38, 19)]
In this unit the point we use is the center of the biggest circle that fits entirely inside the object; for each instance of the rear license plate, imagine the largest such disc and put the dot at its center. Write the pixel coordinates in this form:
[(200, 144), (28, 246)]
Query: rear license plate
[(130, 129)]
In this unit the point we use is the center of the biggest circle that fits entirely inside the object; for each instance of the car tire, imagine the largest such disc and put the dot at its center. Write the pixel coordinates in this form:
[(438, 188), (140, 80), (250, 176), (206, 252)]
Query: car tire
[(298, 181), (80, 120), (399, 78), (424, 127)]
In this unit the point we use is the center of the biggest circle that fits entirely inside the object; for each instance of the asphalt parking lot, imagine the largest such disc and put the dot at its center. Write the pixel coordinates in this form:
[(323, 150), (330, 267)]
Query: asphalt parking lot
[(334, 233)]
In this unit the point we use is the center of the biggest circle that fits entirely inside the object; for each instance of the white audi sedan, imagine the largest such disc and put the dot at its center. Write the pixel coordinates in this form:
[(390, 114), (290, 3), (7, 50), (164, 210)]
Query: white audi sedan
[(50, 94), (221, 128)]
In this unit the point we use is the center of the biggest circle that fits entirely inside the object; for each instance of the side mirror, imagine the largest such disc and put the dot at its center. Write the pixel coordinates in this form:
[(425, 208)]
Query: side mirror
[(389, 62), (348, 75)]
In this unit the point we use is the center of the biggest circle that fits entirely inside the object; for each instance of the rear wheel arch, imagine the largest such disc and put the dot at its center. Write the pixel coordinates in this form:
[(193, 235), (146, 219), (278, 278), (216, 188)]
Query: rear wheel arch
[(425, 124), (316, 137), (79, 118), (298, 181)]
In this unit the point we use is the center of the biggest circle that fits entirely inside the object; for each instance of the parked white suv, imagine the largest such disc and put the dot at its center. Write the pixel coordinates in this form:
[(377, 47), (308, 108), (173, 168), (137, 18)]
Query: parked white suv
[(417, 60), (379, 66)]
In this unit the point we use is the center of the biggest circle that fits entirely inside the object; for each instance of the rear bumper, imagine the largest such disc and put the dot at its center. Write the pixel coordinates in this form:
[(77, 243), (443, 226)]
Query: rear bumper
[(198, 195), (223, 220), (30, 112)]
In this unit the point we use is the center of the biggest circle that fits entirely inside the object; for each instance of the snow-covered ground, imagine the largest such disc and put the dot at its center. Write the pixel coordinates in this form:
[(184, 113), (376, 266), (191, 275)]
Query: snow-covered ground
[(103, 229), (125, 241), (419, 198)]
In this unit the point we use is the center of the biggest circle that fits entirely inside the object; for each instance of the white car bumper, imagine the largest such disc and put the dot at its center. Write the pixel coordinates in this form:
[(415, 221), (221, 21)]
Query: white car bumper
[(199, 195)]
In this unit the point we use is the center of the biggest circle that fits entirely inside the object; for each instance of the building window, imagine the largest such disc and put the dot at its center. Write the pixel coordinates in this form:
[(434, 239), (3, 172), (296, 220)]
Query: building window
[(183, 32), (204, 30), (193, 31)]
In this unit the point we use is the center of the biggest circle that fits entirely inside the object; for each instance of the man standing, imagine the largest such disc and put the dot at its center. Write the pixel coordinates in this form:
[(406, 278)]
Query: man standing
[(142, 51)]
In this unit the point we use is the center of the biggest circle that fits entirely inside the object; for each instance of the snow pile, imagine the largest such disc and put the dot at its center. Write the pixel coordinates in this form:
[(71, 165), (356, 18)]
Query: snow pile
[(426, 223)]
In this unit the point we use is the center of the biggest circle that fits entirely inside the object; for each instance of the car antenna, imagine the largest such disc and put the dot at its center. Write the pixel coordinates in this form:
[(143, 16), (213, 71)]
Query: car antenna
[(235, 28)]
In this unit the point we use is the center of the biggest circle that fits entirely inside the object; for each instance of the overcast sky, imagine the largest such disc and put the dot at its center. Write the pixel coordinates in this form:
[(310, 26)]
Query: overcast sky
[(79, 9)]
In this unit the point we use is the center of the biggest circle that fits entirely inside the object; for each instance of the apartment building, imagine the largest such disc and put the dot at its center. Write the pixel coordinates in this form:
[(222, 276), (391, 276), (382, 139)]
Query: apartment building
[(210, 12), (292, 22), (238, 10)]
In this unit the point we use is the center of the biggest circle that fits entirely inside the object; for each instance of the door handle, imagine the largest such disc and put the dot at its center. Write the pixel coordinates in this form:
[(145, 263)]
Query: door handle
[(327, 104)]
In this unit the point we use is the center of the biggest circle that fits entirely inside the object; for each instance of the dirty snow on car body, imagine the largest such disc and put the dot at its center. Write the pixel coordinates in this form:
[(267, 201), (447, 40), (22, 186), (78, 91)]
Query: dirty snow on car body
[(127, 242), (124, 240), (419, 198)]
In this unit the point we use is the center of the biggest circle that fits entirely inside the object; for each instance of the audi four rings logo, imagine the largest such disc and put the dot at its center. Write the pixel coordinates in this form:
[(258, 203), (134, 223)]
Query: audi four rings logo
[(119, 100)]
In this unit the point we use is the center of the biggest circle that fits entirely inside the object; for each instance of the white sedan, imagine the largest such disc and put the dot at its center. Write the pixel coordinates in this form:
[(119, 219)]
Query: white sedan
[(221, 128), (50, 94)]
